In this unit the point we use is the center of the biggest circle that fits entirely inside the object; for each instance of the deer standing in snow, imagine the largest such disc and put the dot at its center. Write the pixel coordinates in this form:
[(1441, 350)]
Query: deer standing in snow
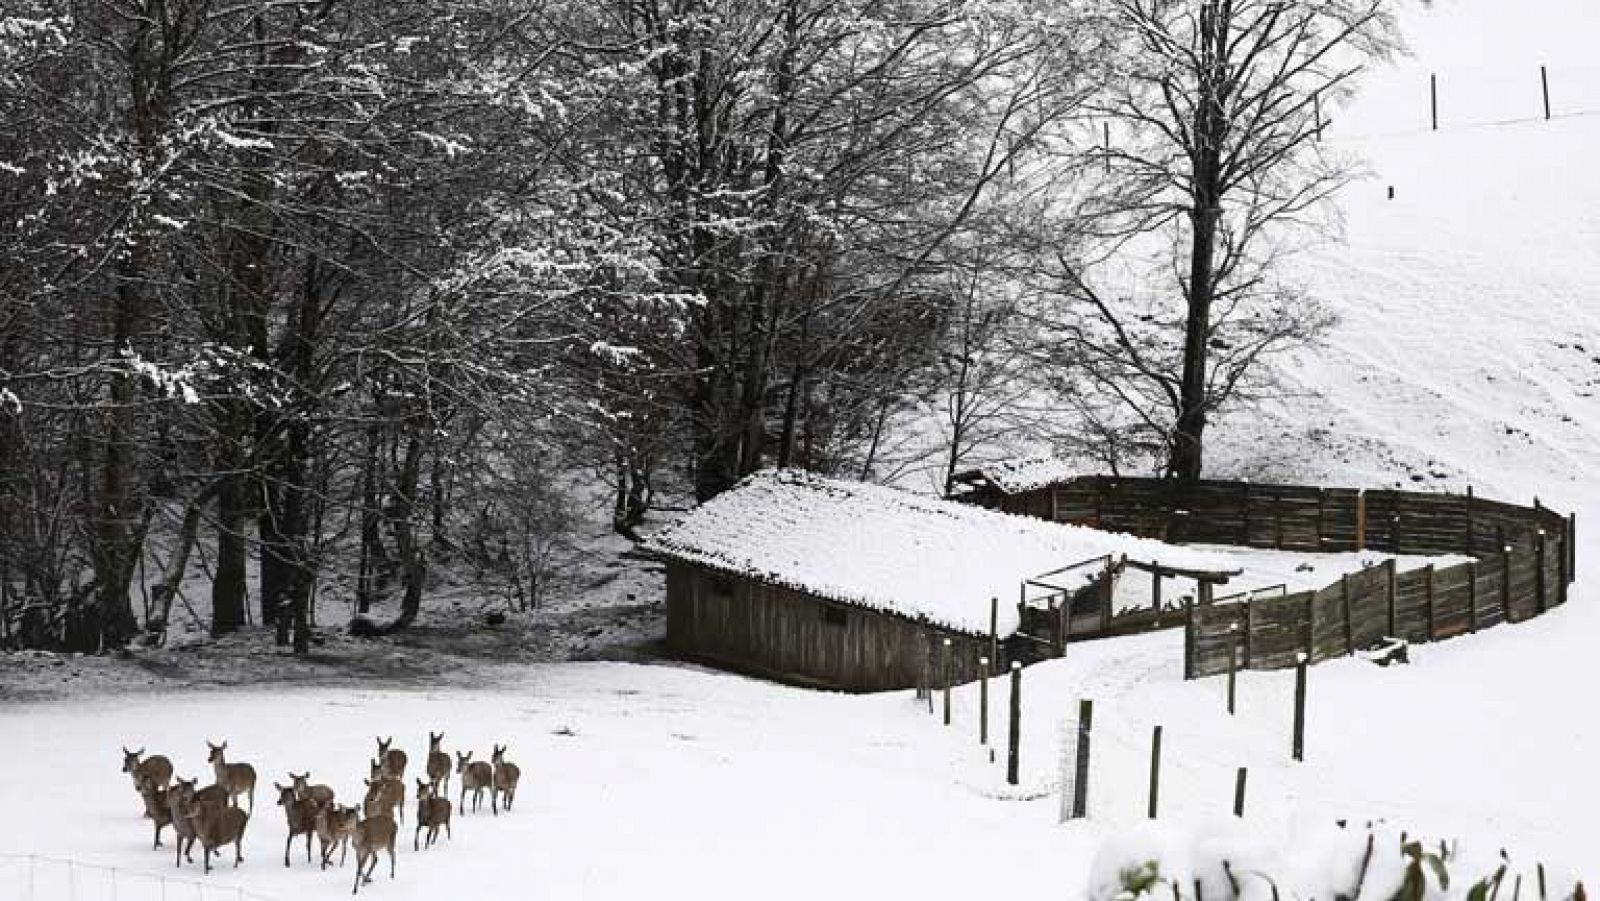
[(237, 778), (505, 778)]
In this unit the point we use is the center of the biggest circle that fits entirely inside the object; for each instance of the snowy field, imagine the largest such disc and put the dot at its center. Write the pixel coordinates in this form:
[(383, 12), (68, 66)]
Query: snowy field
[(1468, 352)]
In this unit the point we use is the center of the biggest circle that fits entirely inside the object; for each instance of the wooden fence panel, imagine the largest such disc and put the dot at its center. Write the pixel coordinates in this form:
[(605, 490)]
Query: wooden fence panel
[(1328, 631), (1523, 603), (1491, 597), (1217, 631), (1278, 630), (1369, 606), (1431, 523), (1410, 605), (1339, 519), (1452, 599)]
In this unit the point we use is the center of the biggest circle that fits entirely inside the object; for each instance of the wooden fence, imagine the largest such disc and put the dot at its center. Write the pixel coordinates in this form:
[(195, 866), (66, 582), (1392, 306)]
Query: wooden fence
[(1524, 564)]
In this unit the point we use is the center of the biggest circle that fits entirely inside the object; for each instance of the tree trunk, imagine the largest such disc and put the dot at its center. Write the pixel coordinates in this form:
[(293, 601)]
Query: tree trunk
[(229, 584)]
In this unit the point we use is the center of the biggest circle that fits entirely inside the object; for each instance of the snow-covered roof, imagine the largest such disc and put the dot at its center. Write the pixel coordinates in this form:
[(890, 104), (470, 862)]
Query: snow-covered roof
[(1024, 474), (892, 550)]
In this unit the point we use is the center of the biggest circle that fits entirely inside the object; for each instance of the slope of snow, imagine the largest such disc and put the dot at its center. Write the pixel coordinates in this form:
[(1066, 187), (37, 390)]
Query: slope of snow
[(893, 550)]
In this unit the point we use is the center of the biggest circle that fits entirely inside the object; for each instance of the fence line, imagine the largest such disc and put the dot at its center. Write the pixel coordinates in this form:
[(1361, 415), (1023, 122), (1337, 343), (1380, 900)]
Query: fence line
[(41, 877)]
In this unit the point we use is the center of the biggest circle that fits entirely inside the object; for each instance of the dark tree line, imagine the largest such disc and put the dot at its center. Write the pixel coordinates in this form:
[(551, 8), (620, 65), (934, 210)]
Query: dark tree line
[(302, 297)]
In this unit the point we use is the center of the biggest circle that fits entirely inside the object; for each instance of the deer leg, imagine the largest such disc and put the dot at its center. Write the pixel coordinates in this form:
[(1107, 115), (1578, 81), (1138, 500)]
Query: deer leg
[(208, 858), (238, 851), (308, 847), (286, 844), (416, 838), (391, 860), (357, 887)]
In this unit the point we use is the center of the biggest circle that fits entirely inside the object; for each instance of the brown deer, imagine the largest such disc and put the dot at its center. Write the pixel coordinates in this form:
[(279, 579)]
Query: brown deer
[(335, 825), (301, 814), (180, 800), (476, 775), (158, 808), (215, 827), (393, 759), (438, 765), (237, 778), (432, 812), (154, 770), (372, 835), (321, 794), (384, 795), (505, 779)]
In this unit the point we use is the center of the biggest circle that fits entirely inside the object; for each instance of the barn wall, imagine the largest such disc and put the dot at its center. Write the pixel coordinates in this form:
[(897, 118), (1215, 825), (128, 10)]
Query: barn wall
[(791, 636)]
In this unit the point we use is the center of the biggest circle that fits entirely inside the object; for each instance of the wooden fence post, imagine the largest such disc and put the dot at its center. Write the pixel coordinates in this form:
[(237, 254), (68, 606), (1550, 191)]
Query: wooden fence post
[(1544, 90), (1244, 525), (1428, 599), (1248, 629), (983, 700), (1468, 549), (1322, 503), (1155, 592), (1472, 595), (947, 658), (1572, 546), (1080, 781), (1300, 708), (1361, 521), (1188, 640), (1540, 602), (1349, 628), (1505, 582), (1107, 595), (1063, 620), (1013, 751), (1311, 624), (994, 630), (1393, 566), (1433, 99), (1233, 664), (1155, 771), (1238, 792)]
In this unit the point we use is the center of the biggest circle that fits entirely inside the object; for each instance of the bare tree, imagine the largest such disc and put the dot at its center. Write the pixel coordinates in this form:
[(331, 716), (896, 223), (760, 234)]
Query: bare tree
[(1215, 108)]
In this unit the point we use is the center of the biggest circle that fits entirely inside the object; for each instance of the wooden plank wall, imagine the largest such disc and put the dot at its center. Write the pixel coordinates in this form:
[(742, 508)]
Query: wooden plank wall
[(792, 636)]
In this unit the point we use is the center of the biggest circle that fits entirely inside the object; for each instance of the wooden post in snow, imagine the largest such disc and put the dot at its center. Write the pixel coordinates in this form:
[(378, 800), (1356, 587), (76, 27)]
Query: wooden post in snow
[(1300, 708), (1433, 99), (1155, 771), (1428, 599), (1540, 602), (1505, 582), (1080, 780), (948, 660), (1390, 591), (1544, 89), (1233, 663), (1344, 601), (994, 630), (1013, 752), (983, 700), (1238, 792)]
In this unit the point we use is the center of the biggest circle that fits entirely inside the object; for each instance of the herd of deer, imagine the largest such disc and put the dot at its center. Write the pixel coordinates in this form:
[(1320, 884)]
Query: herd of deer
[(212, 814)]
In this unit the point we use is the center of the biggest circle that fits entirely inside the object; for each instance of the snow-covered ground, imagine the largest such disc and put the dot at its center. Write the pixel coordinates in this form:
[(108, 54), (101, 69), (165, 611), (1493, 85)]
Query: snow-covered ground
[(1468, 352)]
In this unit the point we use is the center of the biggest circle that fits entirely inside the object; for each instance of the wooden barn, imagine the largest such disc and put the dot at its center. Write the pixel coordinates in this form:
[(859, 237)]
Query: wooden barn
[(852, 586)]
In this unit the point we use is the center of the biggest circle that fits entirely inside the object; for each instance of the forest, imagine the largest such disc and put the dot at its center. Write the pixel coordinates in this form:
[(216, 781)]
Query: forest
[(332, 293)]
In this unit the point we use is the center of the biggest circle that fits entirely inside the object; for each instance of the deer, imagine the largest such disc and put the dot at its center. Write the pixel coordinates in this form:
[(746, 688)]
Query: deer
[(476, 775), (384, 795), (505, 776), (372, 835), (335, 824), (154, 770), (438, 765), (180, 800), (321, 794), (301, 814), (216, 827), (237, 778), (393, 759), (432, 812), (157, 807)]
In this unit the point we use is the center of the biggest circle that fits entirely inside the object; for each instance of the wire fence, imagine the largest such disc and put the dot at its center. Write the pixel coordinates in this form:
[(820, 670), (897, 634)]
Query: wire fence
[(38, 877)]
